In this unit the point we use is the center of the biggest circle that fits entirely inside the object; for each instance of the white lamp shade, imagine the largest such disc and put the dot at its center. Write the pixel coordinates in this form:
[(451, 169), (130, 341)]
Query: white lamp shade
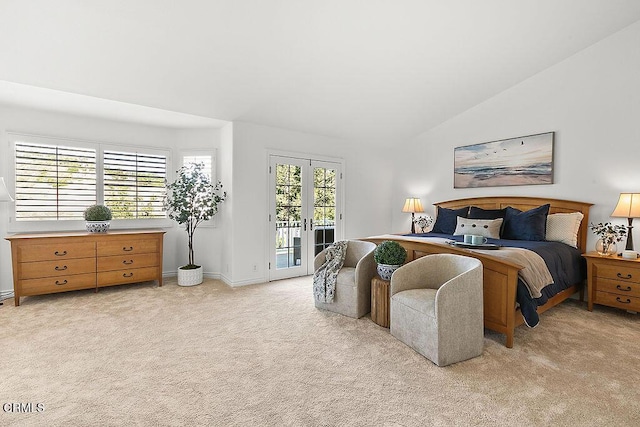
[(412, 204), (628, 206), (4, 193)]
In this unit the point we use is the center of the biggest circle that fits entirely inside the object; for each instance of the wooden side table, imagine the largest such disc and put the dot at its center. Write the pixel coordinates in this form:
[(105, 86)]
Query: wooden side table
[(380, 301)]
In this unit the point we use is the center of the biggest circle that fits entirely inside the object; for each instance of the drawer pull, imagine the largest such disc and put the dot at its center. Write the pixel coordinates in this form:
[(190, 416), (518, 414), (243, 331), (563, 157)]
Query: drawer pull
[(129, 249), (61, 283), (61, 269), (628, 301), (628, 276), (127, 274), (63, 253), (627, 289), (127, 262)]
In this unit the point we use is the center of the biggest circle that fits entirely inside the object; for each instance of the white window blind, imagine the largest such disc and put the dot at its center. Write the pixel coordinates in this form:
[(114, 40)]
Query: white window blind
[(134, 184), (53, 182), (206, 159)]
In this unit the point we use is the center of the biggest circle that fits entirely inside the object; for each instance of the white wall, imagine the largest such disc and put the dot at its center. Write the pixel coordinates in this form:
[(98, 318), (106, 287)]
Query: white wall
[(591, 101), (367, 190), (23, 120)]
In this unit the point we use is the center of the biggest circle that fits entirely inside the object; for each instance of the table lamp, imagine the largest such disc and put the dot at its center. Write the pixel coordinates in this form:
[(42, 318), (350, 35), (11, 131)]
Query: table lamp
[(628, 207), (413, 205), (4, 196)]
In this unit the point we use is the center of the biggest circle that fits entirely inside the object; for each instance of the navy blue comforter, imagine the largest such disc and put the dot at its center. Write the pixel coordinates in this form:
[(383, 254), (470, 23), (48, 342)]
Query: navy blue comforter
[(564, 262)]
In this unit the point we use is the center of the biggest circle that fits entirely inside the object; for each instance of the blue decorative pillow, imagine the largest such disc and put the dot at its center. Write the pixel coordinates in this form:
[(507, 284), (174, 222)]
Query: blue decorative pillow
[(479, 213), (529, 225), (447, 219)]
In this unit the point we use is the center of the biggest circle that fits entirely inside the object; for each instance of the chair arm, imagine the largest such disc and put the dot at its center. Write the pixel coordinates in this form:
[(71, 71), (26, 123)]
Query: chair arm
[(365, 270), (460, 294), (319, 259)]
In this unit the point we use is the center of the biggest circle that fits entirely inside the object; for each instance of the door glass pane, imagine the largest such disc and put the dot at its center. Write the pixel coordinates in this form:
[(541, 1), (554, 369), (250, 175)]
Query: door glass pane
[(324, 207), (288, 214)]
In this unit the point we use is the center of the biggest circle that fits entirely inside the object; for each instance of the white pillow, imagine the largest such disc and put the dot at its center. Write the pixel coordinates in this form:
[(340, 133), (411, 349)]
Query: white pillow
[(563, 227), (489, 228)]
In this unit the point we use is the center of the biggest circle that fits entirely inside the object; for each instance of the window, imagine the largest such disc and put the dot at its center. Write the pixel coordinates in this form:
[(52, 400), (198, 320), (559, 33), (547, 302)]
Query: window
[(57, 179), (53, 181), (206, 157), (134, 184)]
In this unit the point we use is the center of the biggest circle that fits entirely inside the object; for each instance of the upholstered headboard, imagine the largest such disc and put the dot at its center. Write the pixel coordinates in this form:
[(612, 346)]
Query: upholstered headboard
[(526, 203)]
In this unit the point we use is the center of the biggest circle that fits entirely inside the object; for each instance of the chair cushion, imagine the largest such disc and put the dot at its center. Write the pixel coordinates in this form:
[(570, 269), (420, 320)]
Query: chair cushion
[(346, 277), (421, 300)]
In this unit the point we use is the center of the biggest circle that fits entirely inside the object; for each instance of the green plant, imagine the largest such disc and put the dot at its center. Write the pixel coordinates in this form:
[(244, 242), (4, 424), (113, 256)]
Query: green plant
[(192, 199), (390, 253), (97, 213)]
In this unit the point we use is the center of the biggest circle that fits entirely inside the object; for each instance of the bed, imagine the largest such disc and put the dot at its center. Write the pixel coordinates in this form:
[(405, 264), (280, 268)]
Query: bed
[(503, 289)]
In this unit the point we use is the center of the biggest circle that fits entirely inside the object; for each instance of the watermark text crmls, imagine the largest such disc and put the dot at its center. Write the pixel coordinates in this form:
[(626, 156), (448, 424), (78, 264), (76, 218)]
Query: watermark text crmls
[(22, 407)]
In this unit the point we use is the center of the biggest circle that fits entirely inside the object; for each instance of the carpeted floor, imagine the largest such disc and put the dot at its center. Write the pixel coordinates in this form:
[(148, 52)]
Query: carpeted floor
[(264, 355)]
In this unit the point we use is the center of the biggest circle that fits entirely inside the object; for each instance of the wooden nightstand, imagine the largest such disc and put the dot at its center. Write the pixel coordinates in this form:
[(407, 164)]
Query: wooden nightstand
[(613, 281)]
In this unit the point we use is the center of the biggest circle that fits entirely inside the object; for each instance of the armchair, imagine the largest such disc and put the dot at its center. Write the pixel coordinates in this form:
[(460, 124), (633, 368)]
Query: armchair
[(353, 288), (437, 307)]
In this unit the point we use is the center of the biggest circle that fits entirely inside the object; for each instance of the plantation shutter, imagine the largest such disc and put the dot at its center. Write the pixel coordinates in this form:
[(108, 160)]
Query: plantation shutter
[(134, 184), (53, 182)]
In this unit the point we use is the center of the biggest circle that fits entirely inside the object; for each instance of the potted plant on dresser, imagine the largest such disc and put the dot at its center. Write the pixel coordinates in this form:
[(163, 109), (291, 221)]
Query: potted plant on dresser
[(190, 200), (389, 255), (97, 218)]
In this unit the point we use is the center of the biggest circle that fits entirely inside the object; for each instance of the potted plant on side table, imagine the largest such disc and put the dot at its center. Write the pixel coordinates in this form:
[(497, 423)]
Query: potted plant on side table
[(97, 218), (389, 255), (190, 200)]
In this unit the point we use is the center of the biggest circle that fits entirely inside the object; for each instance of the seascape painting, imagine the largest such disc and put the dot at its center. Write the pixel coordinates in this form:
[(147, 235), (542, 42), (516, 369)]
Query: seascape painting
[(526, 160)]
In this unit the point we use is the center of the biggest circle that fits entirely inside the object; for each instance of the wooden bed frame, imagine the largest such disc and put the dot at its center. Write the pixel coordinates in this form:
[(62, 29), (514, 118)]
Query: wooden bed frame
[(500, 276)]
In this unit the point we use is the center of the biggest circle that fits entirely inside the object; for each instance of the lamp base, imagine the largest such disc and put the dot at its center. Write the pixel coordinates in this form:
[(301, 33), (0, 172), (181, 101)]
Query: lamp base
[(629, 246)]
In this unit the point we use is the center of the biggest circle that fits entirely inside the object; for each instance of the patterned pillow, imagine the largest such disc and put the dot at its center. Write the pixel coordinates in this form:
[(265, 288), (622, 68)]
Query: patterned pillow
[(563, 227), (489, 228)]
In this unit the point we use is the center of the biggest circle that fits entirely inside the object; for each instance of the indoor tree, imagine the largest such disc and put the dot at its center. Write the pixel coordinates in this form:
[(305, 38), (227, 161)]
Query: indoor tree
[(192, 199)]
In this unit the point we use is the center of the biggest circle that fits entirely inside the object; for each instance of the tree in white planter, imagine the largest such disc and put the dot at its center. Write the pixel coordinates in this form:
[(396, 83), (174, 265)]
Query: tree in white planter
[(190, 200)]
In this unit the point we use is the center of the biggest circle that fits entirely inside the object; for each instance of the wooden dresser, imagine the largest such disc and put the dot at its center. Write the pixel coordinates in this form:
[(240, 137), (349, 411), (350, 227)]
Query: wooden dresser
[(613, 281), (58, 262)]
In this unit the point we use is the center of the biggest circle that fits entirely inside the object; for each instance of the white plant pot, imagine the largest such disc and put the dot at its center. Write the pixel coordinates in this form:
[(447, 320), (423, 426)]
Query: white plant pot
[(97, 226), (190, 277)]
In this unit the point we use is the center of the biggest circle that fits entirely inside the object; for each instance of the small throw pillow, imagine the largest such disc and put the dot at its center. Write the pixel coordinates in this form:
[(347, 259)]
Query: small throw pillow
[(529, 225), (479, 213), (564, 227), (489, 228), (446, 219)]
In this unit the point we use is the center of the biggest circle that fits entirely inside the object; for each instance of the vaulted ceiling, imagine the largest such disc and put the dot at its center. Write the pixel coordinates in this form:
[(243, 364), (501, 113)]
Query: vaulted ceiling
[(359, 69)]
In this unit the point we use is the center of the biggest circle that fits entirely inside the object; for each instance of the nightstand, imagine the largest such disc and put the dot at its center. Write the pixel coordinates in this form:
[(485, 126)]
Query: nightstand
[(613, 281)]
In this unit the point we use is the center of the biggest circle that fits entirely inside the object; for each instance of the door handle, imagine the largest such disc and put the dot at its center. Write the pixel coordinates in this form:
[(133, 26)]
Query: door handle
[(310, 224), (304, 228)]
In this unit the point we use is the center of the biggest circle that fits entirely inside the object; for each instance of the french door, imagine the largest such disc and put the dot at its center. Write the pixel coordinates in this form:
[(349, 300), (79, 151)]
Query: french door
[(305, 213)]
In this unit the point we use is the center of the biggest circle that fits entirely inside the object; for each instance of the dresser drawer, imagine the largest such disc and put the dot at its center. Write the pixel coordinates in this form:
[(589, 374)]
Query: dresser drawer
[(57, 268), (618, 287), (108, 278), (49, 285), (619, 301), (119, 262), (128, 247), (618, 272), (55, 251)]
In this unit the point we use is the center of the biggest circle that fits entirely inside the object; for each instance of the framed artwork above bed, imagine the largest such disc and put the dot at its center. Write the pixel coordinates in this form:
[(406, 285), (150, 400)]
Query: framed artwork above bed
[(526, 160)]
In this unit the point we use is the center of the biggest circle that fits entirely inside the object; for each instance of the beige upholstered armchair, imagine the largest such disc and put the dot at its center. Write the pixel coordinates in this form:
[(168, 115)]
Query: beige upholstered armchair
[(436, 307), (353, 288)]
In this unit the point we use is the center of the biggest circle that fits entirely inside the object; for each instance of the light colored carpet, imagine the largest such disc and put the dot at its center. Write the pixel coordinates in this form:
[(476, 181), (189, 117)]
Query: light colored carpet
[(264, 355)]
